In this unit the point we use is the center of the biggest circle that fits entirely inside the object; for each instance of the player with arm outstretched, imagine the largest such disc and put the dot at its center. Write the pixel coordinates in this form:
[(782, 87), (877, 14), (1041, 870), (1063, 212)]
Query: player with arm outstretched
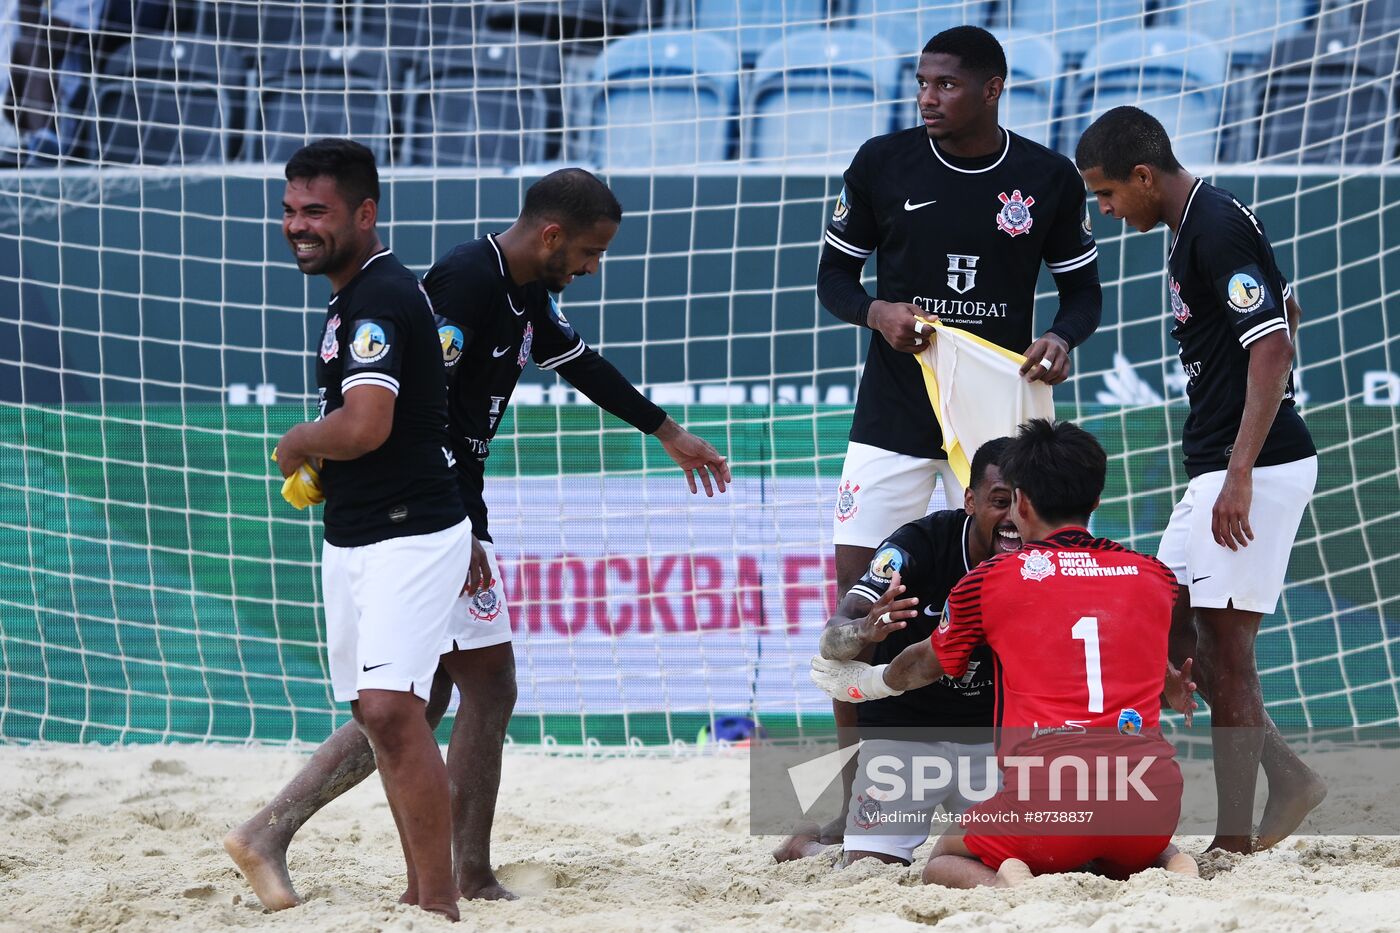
[(1250, 457), (495, 313), (899, 601), (1078, 626), (960, 214)]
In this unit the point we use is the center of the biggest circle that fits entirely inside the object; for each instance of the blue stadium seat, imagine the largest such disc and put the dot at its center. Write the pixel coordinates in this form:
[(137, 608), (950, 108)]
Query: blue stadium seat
[(1176, 76), (1330, 99), (162, 101), (818, 94), (1076, 25), (664, 98), (1245, 27), (1032, 69), (310, 93), (907, 24), (494, 102), (754, 25)]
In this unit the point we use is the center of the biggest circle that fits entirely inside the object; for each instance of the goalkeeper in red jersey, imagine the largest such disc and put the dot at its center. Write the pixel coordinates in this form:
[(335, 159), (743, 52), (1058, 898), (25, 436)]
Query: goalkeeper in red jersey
[(1079, 628)]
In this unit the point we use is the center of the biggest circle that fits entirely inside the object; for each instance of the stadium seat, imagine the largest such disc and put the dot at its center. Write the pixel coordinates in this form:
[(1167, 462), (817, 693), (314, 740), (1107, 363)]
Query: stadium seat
[(907, 24), (663, 98), (754, 25), (1174, 75), (1329, 99), (1246, 29), (1028, 103), (251, 25), (310, 93), (818, 94), (1074, 26), (571, 19), (163, 101), (493, 103)]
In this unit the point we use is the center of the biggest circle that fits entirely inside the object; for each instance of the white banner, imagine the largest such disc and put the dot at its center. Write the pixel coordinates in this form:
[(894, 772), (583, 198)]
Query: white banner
[(631, 595)]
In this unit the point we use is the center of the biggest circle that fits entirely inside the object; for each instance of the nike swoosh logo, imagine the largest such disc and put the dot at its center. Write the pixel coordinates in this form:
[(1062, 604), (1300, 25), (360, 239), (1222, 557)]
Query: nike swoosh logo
[(914, 207), (930, 611), (367, 668), (500, 351), (1199, 579)]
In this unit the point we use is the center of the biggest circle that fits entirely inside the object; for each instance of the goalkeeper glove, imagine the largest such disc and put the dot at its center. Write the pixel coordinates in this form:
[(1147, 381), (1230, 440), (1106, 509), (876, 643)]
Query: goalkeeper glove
[(303, 487), (851, 681)]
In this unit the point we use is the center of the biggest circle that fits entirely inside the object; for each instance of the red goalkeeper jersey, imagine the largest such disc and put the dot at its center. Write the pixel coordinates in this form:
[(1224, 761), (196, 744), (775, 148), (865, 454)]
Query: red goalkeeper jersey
[(1079, 627)]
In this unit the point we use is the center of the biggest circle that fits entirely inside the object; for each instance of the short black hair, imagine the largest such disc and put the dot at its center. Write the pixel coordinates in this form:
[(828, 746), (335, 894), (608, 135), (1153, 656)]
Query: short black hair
[(989, 453), (976, 48), (1058, 465), (349, 163), (574, 198), (1122, 138)]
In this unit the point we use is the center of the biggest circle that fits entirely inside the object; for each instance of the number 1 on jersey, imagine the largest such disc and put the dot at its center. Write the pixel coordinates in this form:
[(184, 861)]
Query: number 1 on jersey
[(1087, 631)]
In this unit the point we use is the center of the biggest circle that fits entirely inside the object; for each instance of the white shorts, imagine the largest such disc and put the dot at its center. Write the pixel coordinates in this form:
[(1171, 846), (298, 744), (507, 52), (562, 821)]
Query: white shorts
[(387, 609), (1251, 578), (881, 490), (872, 813), (480, 620)]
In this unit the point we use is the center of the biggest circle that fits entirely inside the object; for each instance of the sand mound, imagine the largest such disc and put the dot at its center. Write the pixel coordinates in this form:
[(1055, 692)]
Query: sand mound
[(129, 839)]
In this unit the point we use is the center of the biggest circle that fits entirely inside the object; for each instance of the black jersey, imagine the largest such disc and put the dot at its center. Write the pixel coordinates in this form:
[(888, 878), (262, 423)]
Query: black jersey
[(1225, 291), (380, 332), (964, 241), (931, 557), (489, 328)]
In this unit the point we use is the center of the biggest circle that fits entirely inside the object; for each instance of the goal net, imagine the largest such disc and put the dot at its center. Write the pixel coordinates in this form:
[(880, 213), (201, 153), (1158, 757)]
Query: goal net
[(155, 336)]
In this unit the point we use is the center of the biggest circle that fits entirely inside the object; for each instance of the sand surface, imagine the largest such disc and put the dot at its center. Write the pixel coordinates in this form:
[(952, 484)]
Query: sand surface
[(128, 839)]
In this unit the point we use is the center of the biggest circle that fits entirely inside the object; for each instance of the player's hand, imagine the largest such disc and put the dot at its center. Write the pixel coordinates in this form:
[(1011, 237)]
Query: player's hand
[(1179, 690), (1047, 360), (896, 321), (696, 456), (851, 681), (888, 614), (287, 454), (478, 572), (1229, 519)]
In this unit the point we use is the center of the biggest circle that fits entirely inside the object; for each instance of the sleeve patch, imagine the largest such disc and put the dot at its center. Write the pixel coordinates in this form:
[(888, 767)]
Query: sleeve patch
[(370, 343), (842, 212), (887, 562), (1246, 293), (452, 340)]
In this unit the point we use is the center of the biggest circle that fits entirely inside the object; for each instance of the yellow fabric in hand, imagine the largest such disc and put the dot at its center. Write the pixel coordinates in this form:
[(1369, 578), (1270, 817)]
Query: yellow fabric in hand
[(303, 487)]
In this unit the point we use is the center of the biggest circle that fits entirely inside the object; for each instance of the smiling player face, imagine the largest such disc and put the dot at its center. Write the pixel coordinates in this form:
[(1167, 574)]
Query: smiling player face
[(989, 504), (952, 101), (324, 231), (575, 254)]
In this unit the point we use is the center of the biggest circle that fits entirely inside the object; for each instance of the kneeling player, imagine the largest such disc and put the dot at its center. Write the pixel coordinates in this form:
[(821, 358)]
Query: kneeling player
[(898, 603), (1079, 628)]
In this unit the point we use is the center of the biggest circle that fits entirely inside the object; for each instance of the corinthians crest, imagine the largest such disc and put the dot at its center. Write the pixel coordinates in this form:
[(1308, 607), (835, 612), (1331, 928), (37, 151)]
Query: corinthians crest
[(1014, 218), (846, 507), (1180, 309), (330, 346), (485, 605), (1037, 565)]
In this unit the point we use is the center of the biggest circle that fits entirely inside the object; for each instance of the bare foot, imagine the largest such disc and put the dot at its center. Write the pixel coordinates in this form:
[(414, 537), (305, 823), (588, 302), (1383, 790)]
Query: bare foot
[(1241, 845), (1012, 872), (447, 909), (264, 866), (483, 886), (833, 833), (409, 896), (1183, 864), (804, 842), (1289, 803)]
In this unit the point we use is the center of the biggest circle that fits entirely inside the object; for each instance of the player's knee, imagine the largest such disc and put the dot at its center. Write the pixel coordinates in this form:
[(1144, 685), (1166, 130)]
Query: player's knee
[(386, 718)]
